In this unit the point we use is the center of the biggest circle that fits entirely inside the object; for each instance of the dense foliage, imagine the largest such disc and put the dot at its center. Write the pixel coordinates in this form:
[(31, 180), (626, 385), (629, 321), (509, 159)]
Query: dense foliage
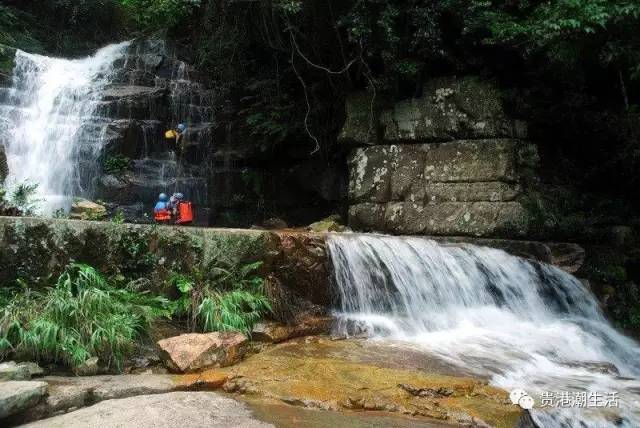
[(82, 316), (67, 27), (221, 296), (86, 315)]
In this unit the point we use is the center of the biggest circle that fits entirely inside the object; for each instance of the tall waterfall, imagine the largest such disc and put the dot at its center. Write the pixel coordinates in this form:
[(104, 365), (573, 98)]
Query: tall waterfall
[(50, 125), (521, 324)]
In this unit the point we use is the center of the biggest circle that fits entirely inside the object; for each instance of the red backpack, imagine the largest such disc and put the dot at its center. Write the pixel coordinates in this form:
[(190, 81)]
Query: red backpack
[(185, 212)]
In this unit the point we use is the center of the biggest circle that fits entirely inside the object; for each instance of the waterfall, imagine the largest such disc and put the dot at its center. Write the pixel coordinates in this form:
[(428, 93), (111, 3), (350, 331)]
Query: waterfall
[(518, 323), (52, 133)]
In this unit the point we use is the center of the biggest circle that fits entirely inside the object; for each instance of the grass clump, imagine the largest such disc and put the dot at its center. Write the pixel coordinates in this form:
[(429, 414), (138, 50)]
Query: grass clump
[(80, 317), (222, 296)]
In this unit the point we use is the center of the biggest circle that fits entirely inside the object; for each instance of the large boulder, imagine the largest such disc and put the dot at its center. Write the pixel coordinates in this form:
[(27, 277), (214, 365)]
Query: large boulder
[(83, 209), (361, 126), (451, 109), (194, 351), (17, 396), (457, 171), (67, 393), (11, 370)]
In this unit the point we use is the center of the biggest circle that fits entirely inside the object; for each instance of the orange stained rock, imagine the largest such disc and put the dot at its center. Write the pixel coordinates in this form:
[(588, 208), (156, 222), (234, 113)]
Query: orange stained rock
[(207, 380)]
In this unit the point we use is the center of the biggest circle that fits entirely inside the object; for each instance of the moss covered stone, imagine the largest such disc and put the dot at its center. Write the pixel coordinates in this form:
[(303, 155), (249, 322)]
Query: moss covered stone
[(36, 250)]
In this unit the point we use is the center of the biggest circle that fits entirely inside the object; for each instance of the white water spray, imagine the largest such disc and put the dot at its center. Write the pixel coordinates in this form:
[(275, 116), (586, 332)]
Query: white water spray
[(521, 324), (50, 125)]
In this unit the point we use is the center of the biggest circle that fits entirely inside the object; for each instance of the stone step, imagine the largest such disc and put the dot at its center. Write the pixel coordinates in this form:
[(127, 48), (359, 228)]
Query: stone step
[(499, 219)]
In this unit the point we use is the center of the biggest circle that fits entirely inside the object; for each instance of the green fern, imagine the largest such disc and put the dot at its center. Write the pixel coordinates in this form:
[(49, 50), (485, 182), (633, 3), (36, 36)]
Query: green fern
[(222, 296), (80, 317)]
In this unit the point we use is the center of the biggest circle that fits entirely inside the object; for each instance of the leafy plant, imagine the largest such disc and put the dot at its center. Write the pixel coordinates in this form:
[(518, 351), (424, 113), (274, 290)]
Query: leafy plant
[(117, 164), (21, 200), (155, 14), (118, 217), (134, 250), (82, 316), (222, 297)]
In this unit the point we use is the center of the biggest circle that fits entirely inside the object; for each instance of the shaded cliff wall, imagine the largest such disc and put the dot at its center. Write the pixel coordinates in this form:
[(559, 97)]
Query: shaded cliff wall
[(449, 163)]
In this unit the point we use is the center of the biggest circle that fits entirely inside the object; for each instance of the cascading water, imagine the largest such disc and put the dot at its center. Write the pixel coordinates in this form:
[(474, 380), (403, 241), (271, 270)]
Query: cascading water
[(53, 134), (519, 323)]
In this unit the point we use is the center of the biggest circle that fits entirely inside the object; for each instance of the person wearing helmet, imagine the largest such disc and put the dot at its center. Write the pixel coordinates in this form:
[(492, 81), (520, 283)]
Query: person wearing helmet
[(161, 212), (162, 203), (180, 136), (176, 135), (174, 200)]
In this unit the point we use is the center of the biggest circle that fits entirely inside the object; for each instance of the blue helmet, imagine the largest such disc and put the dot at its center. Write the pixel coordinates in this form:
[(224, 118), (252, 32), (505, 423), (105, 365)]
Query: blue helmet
[(162, 197), (181, 127)]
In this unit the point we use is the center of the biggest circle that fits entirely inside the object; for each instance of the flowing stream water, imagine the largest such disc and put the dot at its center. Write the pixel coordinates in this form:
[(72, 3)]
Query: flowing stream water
[(521, 324), (51, 128)]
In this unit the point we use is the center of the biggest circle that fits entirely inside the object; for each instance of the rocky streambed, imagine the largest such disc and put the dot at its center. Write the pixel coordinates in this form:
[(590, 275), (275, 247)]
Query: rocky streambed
[(314, 379)]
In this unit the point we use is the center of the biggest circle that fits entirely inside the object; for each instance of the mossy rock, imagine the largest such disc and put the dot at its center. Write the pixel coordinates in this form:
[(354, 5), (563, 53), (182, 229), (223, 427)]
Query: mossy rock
[(7, 62)]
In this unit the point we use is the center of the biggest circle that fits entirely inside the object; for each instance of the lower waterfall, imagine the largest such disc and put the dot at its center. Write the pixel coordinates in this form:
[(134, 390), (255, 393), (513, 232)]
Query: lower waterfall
[(521, 324)]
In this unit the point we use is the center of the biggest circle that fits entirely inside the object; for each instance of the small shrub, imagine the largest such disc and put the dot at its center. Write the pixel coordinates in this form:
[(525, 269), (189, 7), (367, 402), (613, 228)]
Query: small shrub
[(118, 217), (137, 259), (117, 164)]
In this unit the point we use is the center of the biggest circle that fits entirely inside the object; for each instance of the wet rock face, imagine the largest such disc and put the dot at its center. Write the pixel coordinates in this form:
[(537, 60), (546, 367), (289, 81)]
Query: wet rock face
[(449, 163), (4, 169), (152, 92), (7, 55)]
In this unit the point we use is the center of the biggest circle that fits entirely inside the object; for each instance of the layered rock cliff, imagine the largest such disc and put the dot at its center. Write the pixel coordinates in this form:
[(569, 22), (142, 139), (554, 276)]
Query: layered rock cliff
[(449, 163)]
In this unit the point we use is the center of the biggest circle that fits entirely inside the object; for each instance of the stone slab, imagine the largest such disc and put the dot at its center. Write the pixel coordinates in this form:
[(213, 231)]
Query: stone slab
[(497, 219), (19, 395), (176, 409)]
